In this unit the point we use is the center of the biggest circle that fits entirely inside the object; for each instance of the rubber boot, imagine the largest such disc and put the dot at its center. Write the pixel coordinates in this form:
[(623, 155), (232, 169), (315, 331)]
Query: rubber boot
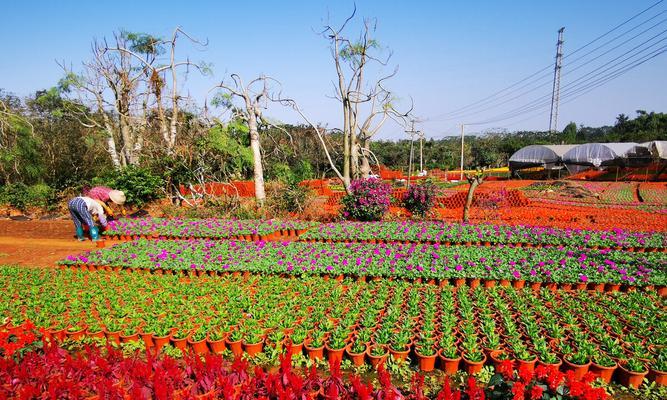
[(94, 233), (79, 234)]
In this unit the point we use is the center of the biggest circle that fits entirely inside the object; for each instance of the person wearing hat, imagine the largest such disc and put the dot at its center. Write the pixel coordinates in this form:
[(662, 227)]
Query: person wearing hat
[(104, 195), (82, 209)]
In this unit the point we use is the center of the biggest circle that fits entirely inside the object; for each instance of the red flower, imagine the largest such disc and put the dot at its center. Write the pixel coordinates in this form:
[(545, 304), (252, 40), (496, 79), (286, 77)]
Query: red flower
[(519, 391), (525, 374), (536, 392), (506, 369)]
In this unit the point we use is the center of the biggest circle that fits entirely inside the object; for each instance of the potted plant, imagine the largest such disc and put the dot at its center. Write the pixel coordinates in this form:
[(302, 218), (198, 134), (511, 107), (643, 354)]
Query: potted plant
[(197, 341), (216, 340), (498, 356), (577, 361), (356, 352), (473, 358), (524, 358), (76, 330), (234, 342), (545, 356), (377, 354), (425, 353), (94, 329), (400, 345), (632, 373), (658, 371), (112, 328), (603, 366), (336, 344), (315, 345), (179, 338), (296, 339), (449, 355)]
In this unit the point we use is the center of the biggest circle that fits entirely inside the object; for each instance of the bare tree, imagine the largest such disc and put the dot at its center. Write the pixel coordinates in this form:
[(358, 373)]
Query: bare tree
[(156, 81), (366, 103), (474, 179), (254, 98), (122, 85)]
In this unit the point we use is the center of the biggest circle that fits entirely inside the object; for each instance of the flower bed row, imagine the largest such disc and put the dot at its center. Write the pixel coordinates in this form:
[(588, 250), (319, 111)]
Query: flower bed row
[(459, 328), (208, 228), (567, 216), (106, 373), (409, 261), (437, 231)]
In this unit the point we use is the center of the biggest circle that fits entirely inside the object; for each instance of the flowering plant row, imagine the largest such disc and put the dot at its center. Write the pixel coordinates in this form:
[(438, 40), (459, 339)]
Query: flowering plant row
[(567, 216), (438, 231), (460, 328), (412, 261), (211, 228), (102, 373)]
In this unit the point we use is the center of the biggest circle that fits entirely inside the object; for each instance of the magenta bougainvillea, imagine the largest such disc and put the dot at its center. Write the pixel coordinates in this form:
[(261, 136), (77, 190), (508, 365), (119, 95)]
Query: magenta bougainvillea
[(369, 200), (419, 199)]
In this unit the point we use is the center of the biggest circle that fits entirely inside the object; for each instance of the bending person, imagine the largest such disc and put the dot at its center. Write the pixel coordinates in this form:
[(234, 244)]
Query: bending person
[(82, 210), (105, 195)]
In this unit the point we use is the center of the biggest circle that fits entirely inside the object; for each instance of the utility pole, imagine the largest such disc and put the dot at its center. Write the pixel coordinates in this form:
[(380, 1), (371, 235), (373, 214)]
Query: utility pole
[(421, 151), (411, 132), (462, 139), (555, 92)]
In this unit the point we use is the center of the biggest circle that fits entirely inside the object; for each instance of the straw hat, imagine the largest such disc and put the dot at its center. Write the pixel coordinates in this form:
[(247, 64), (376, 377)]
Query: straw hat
[(117, 197)]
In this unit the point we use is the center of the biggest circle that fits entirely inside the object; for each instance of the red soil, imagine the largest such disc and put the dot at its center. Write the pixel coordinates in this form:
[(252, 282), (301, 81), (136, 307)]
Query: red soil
[(38, 243)]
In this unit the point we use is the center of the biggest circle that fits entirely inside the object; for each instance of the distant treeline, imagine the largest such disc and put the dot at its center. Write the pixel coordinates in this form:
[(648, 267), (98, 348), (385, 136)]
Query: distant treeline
[(494, 149), (43, 144)]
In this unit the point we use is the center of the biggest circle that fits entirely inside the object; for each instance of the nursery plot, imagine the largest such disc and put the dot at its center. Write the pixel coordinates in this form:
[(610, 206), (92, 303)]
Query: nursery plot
[(412, 261), (211, 228), (461, 327), (444, 232)]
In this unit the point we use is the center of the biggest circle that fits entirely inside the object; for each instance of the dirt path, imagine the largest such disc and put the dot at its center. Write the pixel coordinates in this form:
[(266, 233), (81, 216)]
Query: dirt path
[(38, 243)]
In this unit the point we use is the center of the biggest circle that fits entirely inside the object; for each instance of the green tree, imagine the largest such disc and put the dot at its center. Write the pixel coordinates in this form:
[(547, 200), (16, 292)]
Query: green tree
[(570, 133)]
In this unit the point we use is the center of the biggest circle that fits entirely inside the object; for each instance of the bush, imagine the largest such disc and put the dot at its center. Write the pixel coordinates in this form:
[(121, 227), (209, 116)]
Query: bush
[(287, 197), (369, 200), (139, 184), (420, 199), (21, 196)]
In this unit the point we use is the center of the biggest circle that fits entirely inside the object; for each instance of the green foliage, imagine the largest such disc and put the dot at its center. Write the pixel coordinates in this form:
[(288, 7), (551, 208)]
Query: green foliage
[(287, 197), (227, 150), (281, 172), (20, 196), (143, 43), (139, 184), (570, 133), (20, 158)]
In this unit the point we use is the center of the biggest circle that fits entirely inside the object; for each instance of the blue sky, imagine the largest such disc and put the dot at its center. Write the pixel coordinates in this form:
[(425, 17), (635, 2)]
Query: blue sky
[(449, 53)]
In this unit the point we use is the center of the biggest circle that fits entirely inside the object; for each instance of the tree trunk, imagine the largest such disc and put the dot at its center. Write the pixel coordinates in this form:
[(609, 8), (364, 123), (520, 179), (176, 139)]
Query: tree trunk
[(365, 163), (260, 194), (346, 147), (354, 157), (111, 149), (474, 182)]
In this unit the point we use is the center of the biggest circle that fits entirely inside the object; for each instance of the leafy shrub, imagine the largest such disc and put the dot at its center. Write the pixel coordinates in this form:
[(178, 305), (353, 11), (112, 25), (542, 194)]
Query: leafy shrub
[(281, 172), (287, 197), (21, 196), (369, 200), (420, 199), (139, 184)]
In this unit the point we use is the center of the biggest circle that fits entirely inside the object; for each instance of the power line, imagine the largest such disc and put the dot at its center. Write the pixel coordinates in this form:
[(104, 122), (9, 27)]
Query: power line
[(580, 91), (590, 89), (577, 83), (491, 97), (549, 81)]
